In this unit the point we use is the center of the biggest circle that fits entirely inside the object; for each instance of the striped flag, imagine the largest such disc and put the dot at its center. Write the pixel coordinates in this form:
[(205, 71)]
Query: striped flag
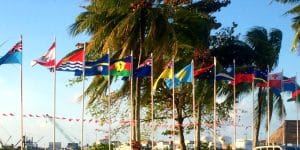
[(72, 62)]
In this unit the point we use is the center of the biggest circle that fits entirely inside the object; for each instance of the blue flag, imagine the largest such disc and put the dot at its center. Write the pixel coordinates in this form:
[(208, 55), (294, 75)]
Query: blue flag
[(98, 67), (184, 75), (144, 69), (226, 74), (13, 56), (276, 91), (261, 75), (289, 84)]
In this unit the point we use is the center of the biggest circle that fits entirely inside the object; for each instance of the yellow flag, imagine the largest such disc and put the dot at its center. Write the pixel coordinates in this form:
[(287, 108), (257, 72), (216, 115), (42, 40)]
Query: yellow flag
[(166, 74)]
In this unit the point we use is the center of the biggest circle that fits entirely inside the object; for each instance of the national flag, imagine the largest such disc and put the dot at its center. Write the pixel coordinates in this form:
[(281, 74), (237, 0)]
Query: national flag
[(13, 56), (184, 75), (226, 74), (244, 76), (166, 74), (48, 59), (276, 91), (205, 72), (98, 67), (121, 67), (71, 62), (289, 84), (275, 80), (261, 77), (295, 94), (144, 69)]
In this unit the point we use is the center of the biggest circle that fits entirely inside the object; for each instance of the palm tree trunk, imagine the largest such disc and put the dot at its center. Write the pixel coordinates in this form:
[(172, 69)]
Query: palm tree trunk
[(258, 118), (198, 127), (137, 112), (180, 127)]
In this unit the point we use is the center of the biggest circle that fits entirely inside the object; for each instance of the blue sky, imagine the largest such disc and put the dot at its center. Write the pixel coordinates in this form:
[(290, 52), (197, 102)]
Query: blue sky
[(248, 14), (40, 21)]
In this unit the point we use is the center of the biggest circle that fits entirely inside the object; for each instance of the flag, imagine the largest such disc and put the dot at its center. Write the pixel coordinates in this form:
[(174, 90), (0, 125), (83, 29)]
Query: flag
[(276, 91), (184, 75), (295, 94), (205, 73), (289, 84), (98, 67), (13, 56), (166, 74), (275, 80), (244, 76), (261, 77), (121, 67), (71, 62), (48, 59), (226, 74), (144, 69)]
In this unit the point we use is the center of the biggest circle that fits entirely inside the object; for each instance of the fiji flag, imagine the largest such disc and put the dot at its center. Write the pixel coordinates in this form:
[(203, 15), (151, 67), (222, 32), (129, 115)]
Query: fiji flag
[(184, 75), (226, 74), (144, 69), (13, 56), (98, 67)]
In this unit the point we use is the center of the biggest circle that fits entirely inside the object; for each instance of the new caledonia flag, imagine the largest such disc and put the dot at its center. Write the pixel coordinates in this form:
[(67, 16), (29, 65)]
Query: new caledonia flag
[(120, 67)]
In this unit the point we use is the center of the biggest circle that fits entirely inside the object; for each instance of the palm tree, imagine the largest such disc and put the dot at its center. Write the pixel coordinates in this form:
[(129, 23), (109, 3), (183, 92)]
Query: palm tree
[(122, 26), (296, 19), (261, 49), (267, 48)]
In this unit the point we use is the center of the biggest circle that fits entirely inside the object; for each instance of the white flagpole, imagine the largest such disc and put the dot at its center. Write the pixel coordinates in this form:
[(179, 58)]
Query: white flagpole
[(54, 97), (109, 103), (83, 95), (173, 99), (21, 76), (132, 122), (283, 117), (152, 104), (253, 146), (268, 105), (194, 102), (297, 110), (234, 106), (215, 98)]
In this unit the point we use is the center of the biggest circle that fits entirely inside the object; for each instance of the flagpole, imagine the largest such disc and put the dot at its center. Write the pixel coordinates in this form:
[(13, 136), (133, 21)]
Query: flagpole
[(109, 103), (54, 96), (152, 104), (268, 105), (194, 103), (283, 117), (22, 110), (215, 90), (132, 121), (253, 146), (297, 110), (173, 99), (234, 105), (83, 95)]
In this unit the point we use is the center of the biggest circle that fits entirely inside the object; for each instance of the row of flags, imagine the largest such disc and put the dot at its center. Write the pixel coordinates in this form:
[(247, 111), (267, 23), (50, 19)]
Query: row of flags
[(73, 62)]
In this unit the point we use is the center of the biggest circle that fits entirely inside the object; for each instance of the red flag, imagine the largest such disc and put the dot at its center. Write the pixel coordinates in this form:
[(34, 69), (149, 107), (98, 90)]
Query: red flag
[(275, 80), (294, 94), (48, 59), (242, 77), (200, 71)]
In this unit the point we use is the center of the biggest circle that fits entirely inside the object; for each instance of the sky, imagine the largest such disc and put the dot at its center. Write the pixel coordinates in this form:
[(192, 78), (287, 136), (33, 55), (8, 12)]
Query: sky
[(40, 22), (265, 13)]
